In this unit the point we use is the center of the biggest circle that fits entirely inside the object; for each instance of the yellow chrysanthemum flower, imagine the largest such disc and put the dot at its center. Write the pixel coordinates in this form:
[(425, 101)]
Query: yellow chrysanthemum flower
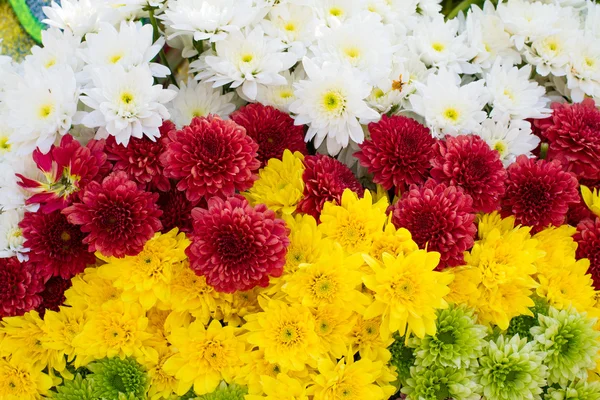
[(205, 356), (591, 199), (146, 277), (283, 387), (488, 222), (241, 304), (506, 264), (334, 279), (464, 288), (60, 328), (22, 341), (367, 341), (89, 291), (407, 292), (162, 385), (20, 380), (392, 241), (559, 246), (355, 221), (279, 185), (116, 329), (349, 380), (190, 292), (256, 366), (333, 326), (286, 333), (569, 286)]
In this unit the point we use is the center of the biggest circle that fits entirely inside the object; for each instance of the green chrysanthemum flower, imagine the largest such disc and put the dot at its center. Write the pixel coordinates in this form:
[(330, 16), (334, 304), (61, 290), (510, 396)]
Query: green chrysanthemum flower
[(113, 378), (441, 383), (511, 369), (580, 390), (570, 343), (226, 392), (522, 324), (77, 389), (457, 343), (403, 358)]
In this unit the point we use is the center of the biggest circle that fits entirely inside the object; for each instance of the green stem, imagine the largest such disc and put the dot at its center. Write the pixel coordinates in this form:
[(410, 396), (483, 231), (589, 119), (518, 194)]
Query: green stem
[(463, 5), (543, 151), (161, 53)]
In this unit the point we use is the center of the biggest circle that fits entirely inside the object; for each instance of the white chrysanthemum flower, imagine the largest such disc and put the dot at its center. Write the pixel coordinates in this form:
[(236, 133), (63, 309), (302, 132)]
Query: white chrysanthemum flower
[(12, 196), (77, 16), (208, 20), (11, 236), (391, 94), (486, 35), (40, 107), (513, 93), (125, 103), (448, 108), (281, 96), (245, 59), (294, 25), (583, 72), (429, 8), (592, 19), (334, 12), (527, 21), (59, 47), (439, 45), (361, 42), (132, 45), (511, 138), (550, 54), (196, 99), (332, 103)]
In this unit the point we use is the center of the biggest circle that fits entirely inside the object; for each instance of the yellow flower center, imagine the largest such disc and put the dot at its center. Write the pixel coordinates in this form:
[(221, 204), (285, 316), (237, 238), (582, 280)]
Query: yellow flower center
[(286, 94), (509, 93), (290, 27), (126, 97), (198, 113), (500, 147), (115, 58), (247, 58), (45, 110), (324, 326), (352, 52), (323, 287), (452, 114), (4, 145), (589, 62), (289, 334), (65, 236), (336, 11), (214, 354), (346, 391), (50, 63), (378, 93), (334, 102), (437, 46)]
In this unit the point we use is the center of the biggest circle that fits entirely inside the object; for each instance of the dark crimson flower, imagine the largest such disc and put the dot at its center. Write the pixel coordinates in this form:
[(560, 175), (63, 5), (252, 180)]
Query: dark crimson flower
[(273, 130), (140, 159), (118, 217), (325, 179), (236, 246), (57, 247), (573, 133), (440, 218), (398, 153), (177, 211), (588, 246), (211, 157), (20, 287), (53, 294), (67, 169), (469, 162), (538, 193)]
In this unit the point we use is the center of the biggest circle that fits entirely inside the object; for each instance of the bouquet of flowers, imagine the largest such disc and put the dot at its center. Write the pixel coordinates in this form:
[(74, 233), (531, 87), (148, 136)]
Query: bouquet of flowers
[(302, 200)]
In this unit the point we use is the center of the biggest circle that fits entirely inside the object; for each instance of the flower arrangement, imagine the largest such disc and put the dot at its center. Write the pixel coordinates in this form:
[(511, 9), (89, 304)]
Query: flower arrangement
[(302, 200)]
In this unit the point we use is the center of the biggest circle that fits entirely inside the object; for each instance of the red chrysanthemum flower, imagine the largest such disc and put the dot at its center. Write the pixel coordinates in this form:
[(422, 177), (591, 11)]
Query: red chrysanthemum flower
[(118, 217), (469, 162), (273, 130), (538, 193), (398, 152), (211, 157), (67, 169), (440, 218), (588, 246), (20, 288), (573, 133), (53, 295), (140, 159), (57, 247), (236, 246), (177, 211), (325, 179)]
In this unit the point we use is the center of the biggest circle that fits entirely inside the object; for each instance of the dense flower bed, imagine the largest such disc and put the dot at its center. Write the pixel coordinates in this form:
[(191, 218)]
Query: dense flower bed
[(332, 199)]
